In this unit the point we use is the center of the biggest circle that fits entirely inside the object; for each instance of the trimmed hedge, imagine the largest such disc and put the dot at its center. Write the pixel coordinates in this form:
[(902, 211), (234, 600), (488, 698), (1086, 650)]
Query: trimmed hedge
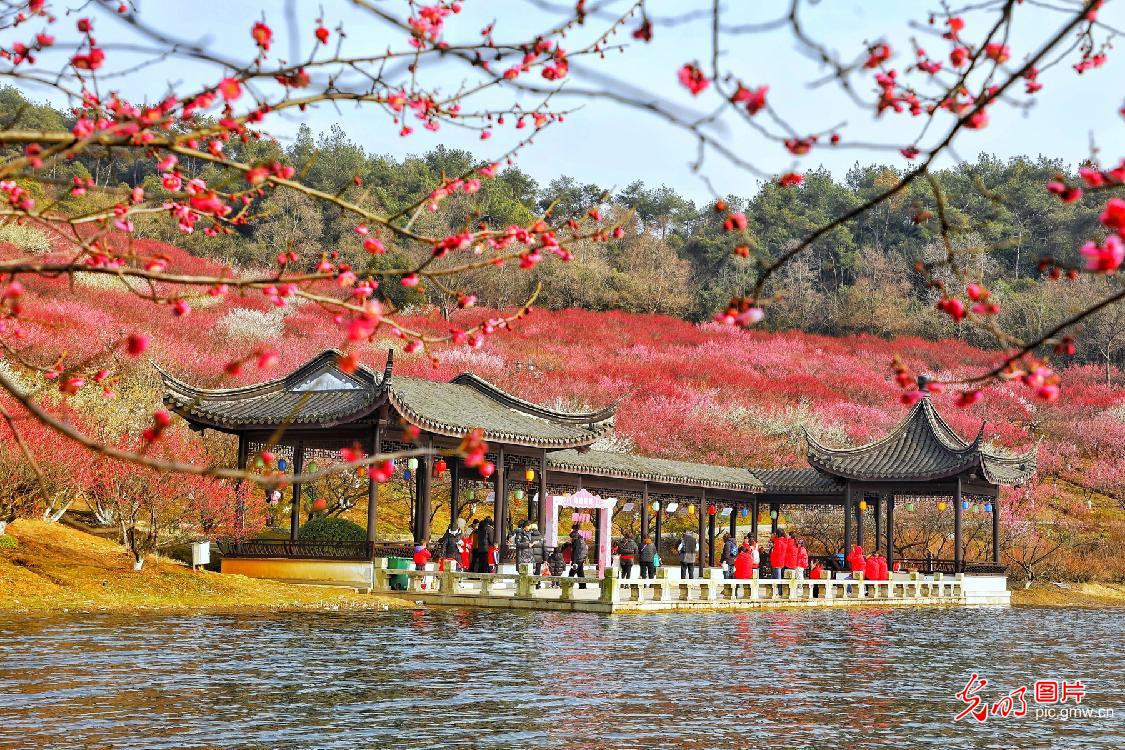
[(331, 529)]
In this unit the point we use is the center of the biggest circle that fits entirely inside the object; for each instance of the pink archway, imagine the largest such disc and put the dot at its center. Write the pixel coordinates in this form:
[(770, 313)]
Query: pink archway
[(581, 499)]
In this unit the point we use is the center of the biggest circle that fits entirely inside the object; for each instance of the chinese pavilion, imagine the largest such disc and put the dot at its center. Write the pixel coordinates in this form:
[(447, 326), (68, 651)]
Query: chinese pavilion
[(318, 409)]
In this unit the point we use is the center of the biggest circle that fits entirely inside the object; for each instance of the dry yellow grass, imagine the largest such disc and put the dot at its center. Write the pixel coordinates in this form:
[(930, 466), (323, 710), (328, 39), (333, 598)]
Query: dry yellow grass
[(1072, 595), (54, 567)]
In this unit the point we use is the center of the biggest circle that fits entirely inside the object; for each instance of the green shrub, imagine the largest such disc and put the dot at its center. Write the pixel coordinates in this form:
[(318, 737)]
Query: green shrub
[(331, 529), (8, 542)]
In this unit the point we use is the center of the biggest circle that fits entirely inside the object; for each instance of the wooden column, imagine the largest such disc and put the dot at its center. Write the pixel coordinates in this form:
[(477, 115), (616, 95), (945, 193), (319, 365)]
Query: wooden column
[(541, 506), (599, 533), (710, 538), (425, 495), (499, 503), (733, 522), (859, 538), (644, 511), (454, 490), (701, 527), (754, 520), (890, 532), (878, 517), (848, 520), (240, 507), (957, 527), (295, 512), (372, 485), (659, 520), (996, 528)]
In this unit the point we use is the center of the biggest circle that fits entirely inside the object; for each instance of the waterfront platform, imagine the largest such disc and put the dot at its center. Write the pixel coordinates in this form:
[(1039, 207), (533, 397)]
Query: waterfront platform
[(666, 592)]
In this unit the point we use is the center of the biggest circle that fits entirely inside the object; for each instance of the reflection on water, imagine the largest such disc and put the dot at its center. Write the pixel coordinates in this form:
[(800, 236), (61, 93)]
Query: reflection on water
[(450, 678)]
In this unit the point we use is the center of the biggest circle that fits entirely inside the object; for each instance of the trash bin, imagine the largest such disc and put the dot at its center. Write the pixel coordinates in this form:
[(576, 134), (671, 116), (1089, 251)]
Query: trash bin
[(398, 582)]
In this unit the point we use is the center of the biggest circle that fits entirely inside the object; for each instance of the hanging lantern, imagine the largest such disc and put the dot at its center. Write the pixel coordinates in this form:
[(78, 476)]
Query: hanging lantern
[(773, 514), (910, 507), (361, 471), (471, 494), (941, 505), (311, 468), (406, 474), (282, 464), (529, 475), (258, 462), (320, 504), (656, 507), (862, 505), (710, 510), (518, 494), (691, 509), (745, 512), (440, 467), (964, 505), (988, 507), (412, 464)]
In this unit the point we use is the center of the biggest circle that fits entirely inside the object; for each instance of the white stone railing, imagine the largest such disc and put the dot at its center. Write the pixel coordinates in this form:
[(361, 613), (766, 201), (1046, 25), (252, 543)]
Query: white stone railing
[(667, 588)]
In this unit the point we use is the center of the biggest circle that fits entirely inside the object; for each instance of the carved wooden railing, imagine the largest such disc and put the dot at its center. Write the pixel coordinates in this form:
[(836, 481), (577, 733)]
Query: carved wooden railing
[(935, 565)]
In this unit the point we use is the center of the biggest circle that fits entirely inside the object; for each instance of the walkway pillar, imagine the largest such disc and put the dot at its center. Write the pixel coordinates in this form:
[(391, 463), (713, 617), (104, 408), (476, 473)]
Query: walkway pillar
[(454, 491), (373, 486), (710, 537), (425, 498), (996, 528), (659, 520), (700, 514), (848, 520), (733, 522), (957, 527), (240, 508), (878, 517), (295, 511), (644, 512), (754, 520), (890, 532), (859, 538), (541, 507), (499, 504)]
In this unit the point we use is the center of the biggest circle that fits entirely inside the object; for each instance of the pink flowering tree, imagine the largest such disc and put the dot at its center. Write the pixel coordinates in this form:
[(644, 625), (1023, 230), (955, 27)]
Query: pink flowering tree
[(949, 77)]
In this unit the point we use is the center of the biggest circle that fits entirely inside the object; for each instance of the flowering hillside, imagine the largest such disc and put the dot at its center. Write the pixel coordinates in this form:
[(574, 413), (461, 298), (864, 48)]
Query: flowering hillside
[(707, 393)]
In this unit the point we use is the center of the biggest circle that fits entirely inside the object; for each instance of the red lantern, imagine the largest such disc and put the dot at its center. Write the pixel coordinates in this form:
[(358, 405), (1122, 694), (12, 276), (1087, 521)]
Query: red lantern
[(320, 504), (710, 510), (439, 467)]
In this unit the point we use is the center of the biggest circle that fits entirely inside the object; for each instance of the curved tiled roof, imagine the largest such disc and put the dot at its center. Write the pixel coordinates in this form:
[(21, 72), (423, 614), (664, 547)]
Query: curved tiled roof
[(295, 399), (319, 393), (799, 482), (629, 466), (922, 447)]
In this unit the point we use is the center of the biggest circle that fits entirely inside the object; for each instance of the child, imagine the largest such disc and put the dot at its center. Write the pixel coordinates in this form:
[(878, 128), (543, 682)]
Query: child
[(493, 558), (421, 557)]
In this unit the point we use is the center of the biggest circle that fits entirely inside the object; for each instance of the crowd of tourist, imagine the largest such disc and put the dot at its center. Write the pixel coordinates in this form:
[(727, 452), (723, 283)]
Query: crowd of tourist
[(470, 547)]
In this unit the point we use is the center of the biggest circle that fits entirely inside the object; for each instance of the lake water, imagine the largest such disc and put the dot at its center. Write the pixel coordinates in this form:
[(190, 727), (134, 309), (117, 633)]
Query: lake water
[(466, 678)]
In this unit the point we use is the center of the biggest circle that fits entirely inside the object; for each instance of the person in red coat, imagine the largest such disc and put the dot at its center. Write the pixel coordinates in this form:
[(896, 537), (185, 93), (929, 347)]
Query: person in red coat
[(421, 557), (777, 555), (802, 559), (871, 568), (816, 574), (744, 564), (856, 560), (884, 574), (790, 552)]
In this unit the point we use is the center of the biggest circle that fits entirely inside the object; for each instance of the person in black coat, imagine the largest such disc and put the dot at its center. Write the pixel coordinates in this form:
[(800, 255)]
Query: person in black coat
[(482, 540), (449, 549), (627, 552), (581, 549)]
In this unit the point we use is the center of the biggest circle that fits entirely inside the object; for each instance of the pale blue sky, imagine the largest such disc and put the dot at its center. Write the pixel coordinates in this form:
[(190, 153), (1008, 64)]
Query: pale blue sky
[(613, 145)]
